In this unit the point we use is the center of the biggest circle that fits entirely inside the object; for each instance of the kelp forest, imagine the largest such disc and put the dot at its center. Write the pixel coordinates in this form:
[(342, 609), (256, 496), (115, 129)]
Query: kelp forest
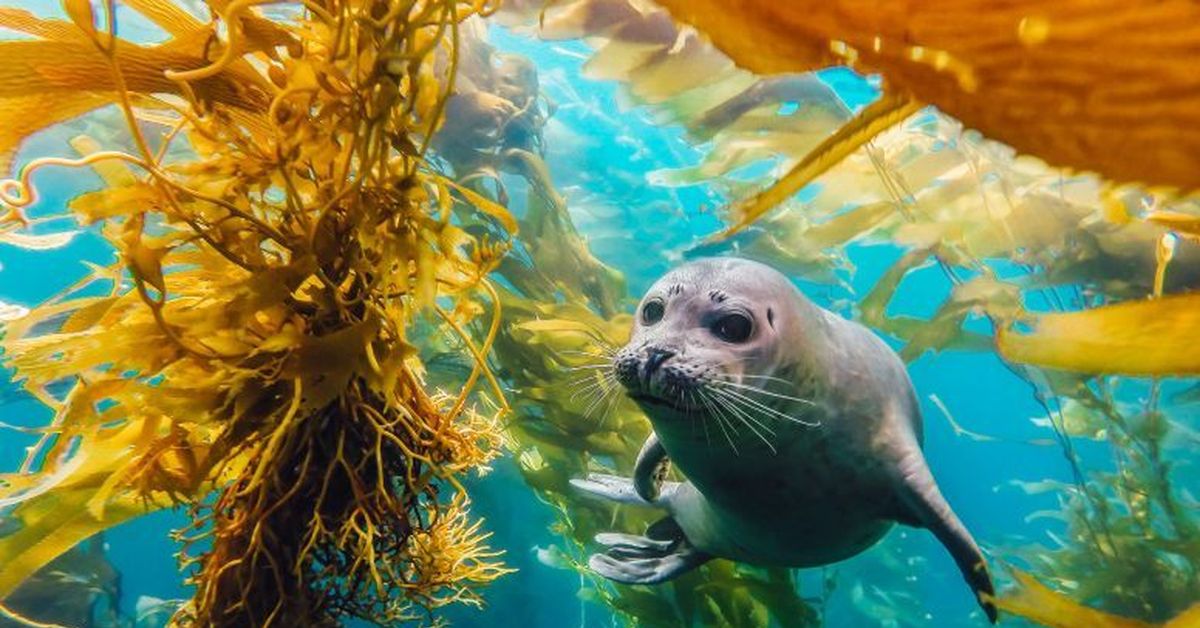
[(346, 283)]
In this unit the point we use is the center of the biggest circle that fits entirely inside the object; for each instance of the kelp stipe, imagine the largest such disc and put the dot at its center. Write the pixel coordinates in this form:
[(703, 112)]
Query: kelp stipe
[(250, 355)]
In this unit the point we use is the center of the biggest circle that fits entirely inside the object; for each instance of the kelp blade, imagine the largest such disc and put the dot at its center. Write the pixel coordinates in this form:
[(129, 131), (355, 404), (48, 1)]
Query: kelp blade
[(870, 122), (1154, 337), (1037, 602), (1069, 82)]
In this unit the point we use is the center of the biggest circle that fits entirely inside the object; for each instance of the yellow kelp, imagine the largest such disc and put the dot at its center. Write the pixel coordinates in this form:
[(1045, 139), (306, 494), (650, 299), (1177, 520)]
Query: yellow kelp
[(279, 231), (1137, 338), (1035, 601), (1100, 85)]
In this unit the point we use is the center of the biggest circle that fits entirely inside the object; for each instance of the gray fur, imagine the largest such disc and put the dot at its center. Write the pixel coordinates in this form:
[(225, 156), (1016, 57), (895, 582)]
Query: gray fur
[(801, 446)]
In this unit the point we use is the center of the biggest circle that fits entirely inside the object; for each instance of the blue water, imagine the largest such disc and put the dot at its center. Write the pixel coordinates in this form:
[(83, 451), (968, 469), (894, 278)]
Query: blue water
[(600, 150)]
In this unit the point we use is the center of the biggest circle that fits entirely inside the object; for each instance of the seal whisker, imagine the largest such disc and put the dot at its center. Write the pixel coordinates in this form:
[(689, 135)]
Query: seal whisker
[(584, 367), (587, 413), (589, 383), (591, 398), (763, 407), (592, 373), (740, 412), (770, 378), (724, 419), (741, 409), (613, 401), (607, 352), (599, 386), (587, 377), (713, 411), (762, 391)]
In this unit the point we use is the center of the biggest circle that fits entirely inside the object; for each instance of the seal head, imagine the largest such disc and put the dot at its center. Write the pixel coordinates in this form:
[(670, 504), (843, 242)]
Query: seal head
[(714, 332)]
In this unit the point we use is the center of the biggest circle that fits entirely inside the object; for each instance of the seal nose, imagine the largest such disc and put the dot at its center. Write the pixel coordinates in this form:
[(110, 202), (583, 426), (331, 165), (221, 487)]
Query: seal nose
[(654, 359)]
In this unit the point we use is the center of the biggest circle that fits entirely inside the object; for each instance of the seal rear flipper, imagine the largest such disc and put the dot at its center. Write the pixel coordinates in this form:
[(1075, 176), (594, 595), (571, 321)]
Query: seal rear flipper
[(922, 505)]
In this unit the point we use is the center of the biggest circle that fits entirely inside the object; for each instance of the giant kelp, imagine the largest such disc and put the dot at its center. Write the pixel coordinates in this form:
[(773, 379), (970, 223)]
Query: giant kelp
[(250, 355), (1102, 86)]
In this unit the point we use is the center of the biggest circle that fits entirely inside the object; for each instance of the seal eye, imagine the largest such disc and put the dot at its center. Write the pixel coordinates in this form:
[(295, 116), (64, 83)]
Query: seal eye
[(652, 312), (733, 328)]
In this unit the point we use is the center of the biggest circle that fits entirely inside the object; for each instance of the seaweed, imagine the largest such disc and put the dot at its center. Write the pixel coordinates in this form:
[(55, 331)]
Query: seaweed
[(1014, 73), (79, 588), (280, 233)]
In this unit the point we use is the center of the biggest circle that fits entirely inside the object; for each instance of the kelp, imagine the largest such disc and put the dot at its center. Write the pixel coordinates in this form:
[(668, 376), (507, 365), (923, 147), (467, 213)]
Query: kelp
[(280, 234), (1011, 238), (1033, 600), (1069, 82), (1150, 337), (78, 588)]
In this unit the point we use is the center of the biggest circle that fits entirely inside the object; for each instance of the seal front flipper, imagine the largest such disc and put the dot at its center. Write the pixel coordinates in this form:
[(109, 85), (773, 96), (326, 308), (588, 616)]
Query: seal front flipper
[(922, 505), (661, 555), (651, 468), (621, 490)]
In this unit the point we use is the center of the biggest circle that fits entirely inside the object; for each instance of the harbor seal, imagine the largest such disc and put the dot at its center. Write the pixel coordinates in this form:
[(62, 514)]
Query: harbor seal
[(797, 432)]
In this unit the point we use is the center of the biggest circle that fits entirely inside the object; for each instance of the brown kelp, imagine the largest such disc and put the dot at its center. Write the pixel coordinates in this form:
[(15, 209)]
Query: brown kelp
[(252, 354)]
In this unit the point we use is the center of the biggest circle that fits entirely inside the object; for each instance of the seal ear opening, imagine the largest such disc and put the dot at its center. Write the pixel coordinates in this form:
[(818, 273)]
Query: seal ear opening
[(771, 318)]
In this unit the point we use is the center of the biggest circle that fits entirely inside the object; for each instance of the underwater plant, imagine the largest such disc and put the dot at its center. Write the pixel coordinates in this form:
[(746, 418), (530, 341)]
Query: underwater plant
[(78, 588), (1068, 82), (251, 355)]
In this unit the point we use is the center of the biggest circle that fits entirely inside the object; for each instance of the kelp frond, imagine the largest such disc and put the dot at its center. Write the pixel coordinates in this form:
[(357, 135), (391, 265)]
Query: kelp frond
[(1037, 602), (1012, 73), (279, 232)]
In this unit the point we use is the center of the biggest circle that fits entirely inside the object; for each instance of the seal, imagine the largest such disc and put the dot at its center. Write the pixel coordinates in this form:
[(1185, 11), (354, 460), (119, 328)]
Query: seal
[(797, 431)]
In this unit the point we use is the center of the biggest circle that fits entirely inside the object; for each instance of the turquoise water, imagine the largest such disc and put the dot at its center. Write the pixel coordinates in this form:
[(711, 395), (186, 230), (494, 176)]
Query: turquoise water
[(601, 150)]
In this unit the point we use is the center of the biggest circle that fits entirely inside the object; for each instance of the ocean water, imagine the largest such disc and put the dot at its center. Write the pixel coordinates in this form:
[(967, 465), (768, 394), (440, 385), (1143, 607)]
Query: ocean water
[(602, 149)]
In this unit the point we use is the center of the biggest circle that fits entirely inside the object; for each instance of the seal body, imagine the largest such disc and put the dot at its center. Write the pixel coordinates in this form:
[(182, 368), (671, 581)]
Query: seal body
[(810, 494), (797, 432)]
